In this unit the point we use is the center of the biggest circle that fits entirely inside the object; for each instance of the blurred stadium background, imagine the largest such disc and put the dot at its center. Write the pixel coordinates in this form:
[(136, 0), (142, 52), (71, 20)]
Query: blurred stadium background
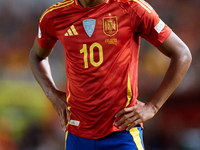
[(27, 119)]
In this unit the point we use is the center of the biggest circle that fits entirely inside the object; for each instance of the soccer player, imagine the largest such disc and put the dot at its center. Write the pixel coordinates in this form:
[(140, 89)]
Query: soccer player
[(99, 109)]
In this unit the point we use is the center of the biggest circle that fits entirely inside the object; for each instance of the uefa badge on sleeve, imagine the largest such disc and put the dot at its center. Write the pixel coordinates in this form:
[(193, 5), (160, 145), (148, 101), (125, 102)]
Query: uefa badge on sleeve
[(160, 26), (39, 32)]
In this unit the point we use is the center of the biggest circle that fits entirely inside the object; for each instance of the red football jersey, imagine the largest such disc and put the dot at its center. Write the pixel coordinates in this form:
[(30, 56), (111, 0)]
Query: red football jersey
[(101, 48)]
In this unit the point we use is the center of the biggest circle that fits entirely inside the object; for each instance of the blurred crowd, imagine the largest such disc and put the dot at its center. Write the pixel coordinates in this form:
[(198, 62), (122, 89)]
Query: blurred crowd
[(27, 119)]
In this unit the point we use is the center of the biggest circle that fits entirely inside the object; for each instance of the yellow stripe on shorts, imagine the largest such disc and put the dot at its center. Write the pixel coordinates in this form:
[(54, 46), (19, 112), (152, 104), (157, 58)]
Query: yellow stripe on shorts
[(136, 138), (66, 139)]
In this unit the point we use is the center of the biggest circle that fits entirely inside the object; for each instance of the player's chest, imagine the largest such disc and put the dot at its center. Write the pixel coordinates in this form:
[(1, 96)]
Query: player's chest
[(104, 27)]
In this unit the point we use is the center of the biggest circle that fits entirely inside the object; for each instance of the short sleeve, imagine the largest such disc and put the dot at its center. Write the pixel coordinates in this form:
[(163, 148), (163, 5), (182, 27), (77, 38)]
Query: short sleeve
[(149, 25), (46, 33)]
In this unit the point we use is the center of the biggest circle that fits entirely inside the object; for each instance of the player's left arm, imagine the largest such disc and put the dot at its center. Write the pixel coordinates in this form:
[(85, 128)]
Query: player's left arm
[(180, 56)]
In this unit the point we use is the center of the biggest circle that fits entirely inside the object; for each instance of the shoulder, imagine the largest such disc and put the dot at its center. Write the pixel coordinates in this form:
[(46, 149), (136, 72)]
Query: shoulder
[(140, 4), (56, 9), (138, 7)]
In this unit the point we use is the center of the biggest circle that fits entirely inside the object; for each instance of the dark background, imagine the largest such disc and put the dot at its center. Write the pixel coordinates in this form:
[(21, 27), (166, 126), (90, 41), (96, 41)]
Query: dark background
[(29, 122)]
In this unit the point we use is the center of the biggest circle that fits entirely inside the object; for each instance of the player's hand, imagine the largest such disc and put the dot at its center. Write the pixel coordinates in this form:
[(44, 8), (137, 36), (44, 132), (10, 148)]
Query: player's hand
[(132, 116), (58, 100)]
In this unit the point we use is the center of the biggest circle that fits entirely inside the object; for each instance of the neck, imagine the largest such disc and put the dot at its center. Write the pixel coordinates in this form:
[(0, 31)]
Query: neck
[(90, 3)]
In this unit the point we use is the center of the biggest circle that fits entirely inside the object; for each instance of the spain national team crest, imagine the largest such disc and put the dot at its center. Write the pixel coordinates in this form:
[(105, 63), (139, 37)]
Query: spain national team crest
[(110, 25)]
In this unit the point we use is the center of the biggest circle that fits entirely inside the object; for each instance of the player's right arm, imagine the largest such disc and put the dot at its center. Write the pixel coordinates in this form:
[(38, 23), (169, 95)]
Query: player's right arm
[(41, 70)]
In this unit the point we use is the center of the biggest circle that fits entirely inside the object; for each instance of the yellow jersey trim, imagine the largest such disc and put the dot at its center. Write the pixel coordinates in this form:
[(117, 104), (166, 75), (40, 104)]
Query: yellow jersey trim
[(57, 6), (129, 91), (76, 2), (68, 92), (69, 107), (135, 133)]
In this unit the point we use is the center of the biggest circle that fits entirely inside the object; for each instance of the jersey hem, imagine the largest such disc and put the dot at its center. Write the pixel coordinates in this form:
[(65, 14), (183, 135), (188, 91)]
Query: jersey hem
[(100, 136)]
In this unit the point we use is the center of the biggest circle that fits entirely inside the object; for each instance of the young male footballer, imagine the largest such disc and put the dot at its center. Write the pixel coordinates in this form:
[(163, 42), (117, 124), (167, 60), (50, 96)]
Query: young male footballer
[(99, 109)]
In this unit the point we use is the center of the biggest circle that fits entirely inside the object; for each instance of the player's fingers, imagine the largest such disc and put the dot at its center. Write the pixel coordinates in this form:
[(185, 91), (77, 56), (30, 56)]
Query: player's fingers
[(136, 122), (123, 119), (63, 119), (124, 111), (129, 122)]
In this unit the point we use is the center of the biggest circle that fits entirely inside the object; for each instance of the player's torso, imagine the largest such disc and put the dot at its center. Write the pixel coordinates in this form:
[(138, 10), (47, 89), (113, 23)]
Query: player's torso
[(98, 50)]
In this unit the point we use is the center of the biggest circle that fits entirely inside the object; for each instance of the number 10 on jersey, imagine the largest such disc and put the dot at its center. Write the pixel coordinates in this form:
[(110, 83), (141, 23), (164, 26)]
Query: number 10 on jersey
[(91, 54)]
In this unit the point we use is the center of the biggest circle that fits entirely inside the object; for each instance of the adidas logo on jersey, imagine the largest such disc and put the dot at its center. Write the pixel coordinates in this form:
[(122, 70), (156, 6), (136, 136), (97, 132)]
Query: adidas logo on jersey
[(71, 31)]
